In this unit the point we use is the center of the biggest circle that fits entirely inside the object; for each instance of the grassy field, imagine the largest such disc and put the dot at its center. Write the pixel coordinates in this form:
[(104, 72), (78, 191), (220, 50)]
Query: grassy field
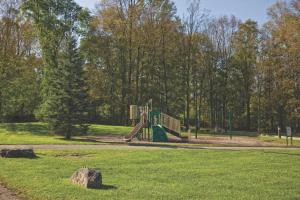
[(158, 174), (38, 133)]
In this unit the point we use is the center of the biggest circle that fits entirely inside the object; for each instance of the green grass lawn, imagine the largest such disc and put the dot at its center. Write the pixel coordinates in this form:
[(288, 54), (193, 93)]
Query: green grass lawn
[(158, 174), (38, 133)]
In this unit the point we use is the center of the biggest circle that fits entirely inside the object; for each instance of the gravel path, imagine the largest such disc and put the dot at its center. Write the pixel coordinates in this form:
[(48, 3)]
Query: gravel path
[(135, 146)]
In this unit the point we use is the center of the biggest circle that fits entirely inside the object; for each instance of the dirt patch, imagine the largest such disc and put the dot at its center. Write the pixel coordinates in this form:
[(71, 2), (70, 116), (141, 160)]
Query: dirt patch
[(79, 156), (106, 139), (242, 141), (6, 194), (235, 141)]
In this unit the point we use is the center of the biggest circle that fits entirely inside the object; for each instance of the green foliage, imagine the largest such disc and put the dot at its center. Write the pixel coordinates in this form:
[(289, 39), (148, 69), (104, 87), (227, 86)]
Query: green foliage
[(245, 64), (197, 68), (63, 91), (19, 82), (279, 98), (132, 57)]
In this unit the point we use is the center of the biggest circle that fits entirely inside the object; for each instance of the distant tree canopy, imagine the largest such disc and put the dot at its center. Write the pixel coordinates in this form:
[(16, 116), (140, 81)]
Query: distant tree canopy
[(61, 64)]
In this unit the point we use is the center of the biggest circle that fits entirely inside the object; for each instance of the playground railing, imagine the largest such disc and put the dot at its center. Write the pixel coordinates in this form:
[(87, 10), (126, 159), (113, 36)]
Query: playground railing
[(170, 123)]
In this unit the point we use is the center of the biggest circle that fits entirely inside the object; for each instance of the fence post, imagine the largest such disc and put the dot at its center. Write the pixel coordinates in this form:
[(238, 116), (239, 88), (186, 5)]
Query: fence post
[(189, 135)]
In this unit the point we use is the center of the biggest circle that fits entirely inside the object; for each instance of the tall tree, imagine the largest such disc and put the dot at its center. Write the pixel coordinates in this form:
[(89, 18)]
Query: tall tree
[(245, 55), (57, 24), (19, 64), (221, 33), (191, 44)]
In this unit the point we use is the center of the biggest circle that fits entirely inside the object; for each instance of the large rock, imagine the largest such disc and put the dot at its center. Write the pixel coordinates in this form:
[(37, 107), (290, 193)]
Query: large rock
[(88, 178), (17, 153)]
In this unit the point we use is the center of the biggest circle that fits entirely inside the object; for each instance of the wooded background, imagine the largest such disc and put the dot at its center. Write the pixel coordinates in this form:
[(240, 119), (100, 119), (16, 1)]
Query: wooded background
[(200, 69)]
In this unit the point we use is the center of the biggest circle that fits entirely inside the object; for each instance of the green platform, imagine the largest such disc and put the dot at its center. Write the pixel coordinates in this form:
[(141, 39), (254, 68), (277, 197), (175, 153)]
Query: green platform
[(159, 134)]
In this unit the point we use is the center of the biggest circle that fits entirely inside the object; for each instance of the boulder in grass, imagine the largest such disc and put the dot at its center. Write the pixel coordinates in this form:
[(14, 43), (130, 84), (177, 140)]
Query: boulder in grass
[(17, 153), (88, 178)]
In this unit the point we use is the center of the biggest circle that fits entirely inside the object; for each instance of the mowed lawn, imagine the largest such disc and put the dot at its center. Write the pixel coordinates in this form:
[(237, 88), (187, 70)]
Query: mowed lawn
[(38, 133), (158, 174)]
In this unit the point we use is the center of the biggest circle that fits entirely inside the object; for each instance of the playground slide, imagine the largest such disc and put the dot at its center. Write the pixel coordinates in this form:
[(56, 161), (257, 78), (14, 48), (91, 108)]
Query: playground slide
[(174, 133), (159, 134), (135, 132), (171, 125)]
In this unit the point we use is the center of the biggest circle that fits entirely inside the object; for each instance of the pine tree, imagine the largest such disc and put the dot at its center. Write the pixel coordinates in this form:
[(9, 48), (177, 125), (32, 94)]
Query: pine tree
[(74, 86), (66, 106), (62, 92)]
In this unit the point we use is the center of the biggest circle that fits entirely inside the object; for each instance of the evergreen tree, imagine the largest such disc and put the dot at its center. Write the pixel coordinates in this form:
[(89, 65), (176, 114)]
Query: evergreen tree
[(72, 75), (62, 87)]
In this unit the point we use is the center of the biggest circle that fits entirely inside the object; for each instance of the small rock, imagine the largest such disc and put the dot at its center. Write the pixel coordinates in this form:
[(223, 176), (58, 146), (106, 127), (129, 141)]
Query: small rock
[(88, 178), (17, 153)]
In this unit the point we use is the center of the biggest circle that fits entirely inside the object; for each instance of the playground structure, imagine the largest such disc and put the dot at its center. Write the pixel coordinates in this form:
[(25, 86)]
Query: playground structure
[(153, 125)]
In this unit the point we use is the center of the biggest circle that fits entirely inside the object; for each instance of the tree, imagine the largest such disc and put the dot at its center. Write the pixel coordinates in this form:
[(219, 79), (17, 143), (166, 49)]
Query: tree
[(221, 33), (280, 102), (62, 90), (195, 68), (131, 56), (191, 46), (19, 64), (245, 58)]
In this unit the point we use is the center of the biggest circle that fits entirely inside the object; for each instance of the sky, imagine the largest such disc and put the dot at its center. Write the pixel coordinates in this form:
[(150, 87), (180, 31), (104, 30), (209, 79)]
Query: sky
[(243, 9)]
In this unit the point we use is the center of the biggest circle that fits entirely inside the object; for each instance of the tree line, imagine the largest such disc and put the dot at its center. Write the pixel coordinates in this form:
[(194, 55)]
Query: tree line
[(70, 66)]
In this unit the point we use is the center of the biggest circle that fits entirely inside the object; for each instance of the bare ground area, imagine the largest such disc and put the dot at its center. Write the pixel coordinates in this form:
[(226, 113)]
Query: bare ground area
[(143, 146), (202, 142), (236, 141), (6, 194)]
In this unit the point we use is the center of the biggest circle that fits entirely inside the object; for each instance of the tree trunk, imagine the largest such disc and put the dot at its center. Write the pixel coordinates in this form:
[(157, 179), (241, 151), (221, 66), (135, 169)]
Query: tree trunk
[(196, 111), (137, 75), (124, 89), (68, 134), (248, 115), (1, 112)]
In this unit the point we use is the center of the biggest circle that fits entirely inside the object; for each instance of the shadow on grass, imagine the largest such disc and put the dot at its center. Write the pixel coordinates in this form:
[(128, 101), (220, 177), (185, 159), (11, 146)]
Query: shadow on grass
[(17, 158), (41, 129), (108, 187), (34, 129), (28, 157)]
